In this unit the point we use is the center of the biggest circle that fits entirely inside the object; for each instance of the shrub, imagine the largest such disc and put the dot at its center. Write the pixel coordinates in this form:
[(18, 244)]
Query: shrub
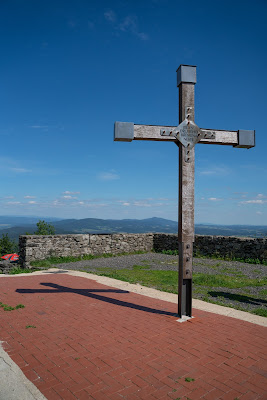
[(7, 245), (43, 228)]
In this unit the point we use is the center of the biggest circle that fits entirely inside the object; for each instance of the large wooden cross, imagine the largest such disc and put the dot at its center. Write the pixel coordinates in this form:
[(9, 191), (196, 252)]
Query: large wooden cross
[(185, 135)]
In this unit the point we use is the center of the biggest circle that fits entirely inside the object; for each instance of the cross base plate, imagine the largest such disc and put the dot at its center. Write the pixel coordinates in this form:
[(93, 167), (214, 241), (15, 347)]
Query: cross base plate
[(184, 318)]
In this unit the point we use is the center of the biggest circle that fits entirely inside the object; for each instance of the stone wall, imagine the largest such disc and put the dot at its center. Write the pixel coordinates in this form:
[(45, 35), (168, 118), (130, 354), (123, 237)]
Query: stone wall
[(33, 247), (37, 247), (222, 246)]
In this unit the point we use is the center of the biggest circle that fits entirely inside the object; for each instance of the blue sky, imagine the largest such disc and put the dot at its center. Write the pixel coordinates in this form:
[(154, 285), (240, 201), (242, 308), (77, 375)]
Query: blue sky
[(70, 69)]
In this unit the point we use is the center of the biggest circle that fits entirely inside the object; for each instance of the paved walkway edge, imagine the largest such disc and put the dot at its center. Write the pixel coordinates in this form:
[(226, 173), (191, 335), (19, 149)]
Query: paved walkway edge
[(157, 294), (13, 383)]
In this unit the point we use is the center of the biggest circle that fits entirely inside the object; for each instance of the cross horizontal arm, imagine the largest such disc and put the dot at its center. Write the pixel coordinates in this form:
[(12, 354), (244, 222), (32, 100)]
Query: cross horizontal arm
[(127, 131), (152, 132)]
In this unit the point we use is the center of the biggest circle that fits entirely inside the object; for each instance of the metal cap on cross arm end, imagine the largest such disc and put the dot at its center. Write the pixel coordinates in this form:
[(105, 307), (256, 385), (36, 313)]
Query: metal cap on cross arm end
[(246, 139), (186, 74), (123, 131)]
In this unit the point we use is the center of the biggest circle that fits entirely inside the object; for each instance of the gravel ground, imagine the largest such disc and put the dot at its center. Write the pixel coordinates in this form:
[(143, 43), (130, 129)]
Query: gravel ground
[(247, 298)]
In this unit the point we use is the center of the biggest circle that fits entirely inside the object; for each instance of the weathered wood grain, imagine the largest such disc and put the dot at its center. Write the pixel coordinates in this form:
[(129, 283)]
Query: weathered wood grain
[(152, 132), (186, 206)]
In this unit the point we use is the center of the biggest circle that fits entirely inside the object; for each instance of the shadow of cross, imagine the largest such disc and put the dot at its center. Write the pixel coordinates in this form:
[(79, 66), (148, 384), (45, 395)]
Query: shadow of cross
[(92, 293)]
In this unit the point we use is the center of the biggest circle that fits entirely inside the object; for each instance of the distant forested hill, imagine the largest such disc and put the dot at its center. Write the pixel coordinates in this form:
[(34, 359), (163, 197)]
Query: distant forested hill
[(95, 225), (231, 230)]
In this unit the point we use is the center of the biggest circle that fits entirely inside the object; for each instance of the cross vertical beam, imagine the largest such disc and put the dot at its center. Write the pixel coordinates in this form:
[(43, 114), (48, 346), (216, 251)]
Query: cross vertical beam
[(186, 79)]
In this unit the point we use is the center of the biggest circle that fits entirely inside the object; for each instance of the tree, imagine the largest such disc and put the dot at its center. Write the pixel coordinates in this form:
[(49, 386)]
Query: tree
[(43, 228), (7, 245)]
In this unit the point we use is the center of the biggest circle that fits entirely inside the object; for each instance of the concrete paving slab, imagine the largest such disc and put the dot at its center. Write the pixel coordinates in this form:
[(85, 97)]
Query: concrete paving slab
[(13, 383)]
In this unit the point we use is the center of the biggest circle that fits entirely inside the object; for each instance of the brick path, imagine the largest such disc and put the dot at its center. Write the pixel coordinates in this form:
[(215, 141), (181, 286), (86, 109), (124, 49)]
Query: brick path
[(95, 342)]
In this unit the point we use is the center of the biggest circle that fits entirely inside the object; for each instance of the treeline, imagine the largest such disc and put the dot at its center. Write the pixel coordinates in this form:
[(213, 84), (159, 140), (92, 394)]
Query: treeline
[(8, 246)]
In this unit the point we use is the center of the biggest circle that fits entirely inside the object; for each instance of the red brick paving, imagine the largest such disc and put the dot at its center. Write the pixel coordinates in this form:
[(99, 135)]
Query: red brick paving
[(93, 342)]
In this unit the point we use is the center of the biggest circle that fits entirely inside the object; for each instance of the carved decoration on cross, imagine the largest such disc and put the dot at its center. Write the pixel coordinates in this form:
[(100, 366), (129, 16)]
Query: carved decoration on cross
[(186, 135), (187, 132)]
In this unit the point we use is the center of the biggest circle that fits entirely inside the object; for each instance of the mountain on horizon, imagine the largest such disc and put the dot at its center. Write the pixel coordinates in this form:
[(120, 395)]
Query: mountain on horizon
[(97, 225)]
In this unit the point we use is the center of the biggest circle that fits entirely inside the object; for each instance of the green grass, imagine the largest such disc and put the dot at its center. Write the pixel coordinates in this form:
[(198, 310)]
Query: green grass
[(6, 307), (232, 271), (140, 267), (232, 258), (260, 311), (19, 270), (170, 252), (228, 257), (167, 281), (246, 291), (30, 326), (231, 282), (42, 264), (48, 262), (199, 290), (263, 292), (189, 379)]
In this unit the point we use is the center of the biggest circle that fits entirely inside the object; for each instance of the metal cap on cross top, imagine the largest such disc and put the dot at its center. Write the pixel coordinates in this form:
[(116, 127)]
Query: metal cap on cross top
[(186, 135), (186, 74)]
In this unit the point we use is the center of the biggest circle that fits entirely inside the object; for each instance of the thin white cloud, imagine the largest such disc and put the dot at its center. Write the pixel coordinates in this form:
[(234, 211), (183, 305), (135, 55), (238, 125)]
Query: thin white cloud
[(38, 126), (130, 24), (110, 16), (92, 207), (57, 203), (108, 176), (68, 192), (8, 164), (127, 24), (147, 202), (240, 195), (141, 204), (68, 197), (29, 197), (255, 201), (21, 170), (45, 128), (213, 170), (214, 199)]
